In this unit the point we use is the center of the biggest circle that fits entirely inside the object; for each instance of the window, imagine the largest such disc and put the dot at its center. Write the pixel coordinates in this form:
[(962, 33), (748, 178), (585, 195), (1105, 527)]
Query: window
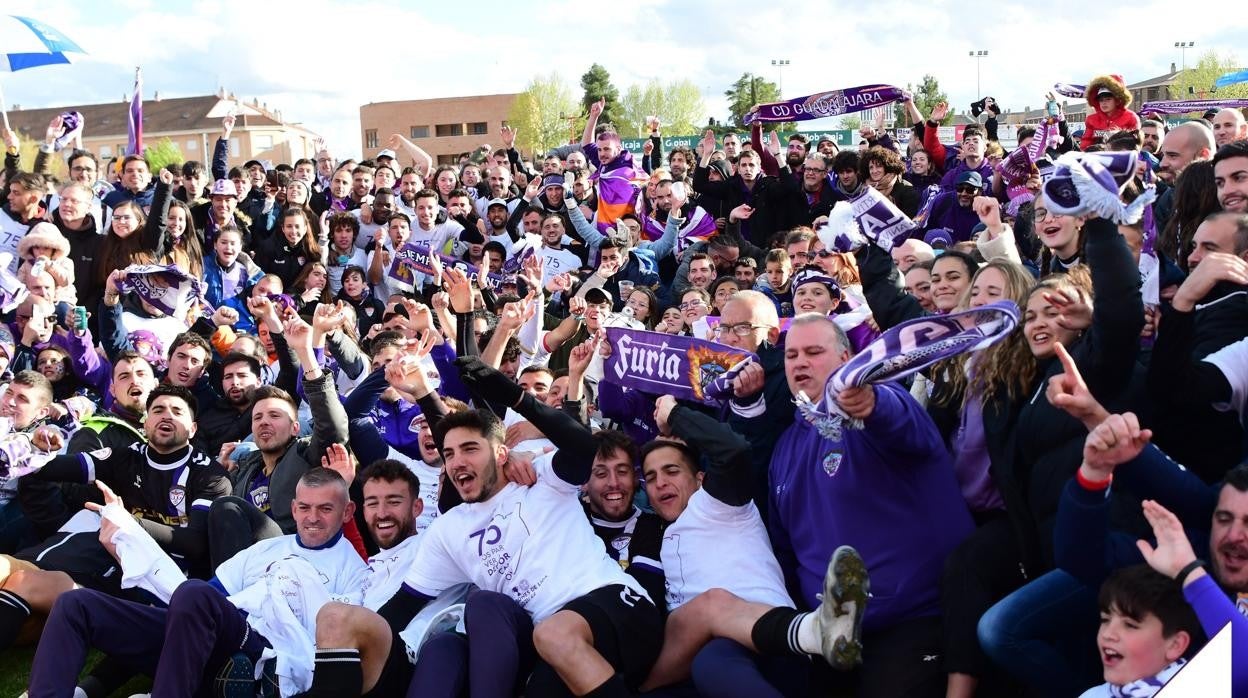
[(443, 130), (370, 138), (192, 145), (262, 143), (478, 129), (234, 148), (106, 151), (419, 132), (448, 160)]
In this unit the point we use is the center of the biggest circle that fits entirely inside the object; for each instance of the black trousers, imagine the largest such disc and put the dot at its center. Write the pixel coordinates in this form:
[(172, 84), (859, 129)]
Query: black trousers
[(235, 524)]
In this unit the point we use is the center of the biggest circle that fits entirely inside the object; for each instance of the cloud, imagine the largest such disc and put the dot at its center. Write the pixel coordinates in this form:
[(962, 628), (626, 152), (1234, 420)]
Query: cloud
[(318, 61)]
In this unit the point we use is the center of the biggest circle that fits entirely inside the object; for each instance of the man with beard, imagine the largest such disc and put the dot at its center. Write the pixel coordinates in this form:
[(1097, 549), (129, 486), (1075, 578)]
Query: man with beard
[(1152, 132), (498, 183), (264, 479), (594, 626), (1183, 145), (498, 227), (409, 184), (21, 211), (633, 537), (167, 485), (229, 418), (680, 163), (954, 211), (1230, 175), (765, 195), (379, 211)]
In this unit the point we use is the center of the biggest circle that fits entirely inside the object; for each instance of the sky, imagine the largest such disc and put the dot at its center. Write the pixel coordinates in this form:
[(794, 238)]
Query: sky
[(318, 61)]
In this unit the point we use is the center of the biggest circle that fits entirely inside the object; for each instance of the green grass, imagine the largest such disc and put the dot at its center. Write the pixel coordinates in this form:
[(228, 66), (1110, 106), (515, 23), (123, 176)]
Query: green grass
[(15, 672)]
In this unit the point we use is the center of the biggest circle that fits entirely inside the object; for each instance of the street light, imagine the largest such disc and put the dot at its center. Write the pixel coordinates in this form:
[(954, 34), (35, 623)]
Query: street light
[(978, 56), (780, 63), (1184, 46)]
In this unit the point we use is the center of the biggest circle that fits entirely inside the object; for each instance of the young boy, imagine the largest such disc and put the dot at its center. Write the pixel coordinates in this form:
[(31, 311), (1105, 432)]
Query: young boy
[(1146, 629), (779, 273)]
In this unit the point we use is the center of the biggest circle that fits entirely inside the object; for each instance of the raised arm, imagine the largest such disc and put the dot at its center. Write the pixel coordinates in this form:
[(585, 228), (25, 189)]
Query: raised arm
[(595, 111), (728, 472)]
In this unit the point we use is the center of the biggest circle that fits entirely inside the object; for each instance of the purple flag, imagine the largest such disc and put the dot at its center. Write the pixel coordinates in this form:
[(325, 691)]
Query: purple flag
[(414, 256), (134, 146), (831, 103), (686, 368), (908, 348), (880, 219), (699, 227), (164, 286), (1191, 105)]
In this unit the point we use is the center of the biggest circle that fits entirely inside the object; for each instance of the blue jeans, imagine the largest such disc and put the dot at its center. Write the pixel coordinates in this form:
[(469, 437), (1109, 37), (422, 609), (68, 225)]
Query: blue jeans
[(1045, 634), (15, 530)]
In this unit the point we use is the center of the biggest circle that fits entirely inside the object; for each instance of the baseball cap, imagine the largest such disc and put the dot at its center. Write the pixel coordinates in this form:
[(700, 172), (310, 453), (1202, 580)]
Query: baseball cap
[(224, 187), (496, 202), (972, 178), (598, 296), (1104, 92), (387, 153)]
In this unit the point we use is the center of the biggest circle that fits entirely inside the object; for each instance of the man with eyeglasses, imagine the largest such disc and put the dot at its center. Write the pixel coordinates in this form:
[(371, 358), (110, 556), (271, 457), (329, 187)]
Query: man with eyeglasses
[(77, 217), (954, 210), (749, 322), (817, 196)]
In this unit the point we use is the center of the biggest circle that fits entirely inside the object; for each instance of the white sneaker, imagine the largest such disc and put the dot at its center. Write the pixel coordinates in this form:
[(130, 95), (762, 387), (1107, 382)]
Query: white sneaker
[(846, 587)]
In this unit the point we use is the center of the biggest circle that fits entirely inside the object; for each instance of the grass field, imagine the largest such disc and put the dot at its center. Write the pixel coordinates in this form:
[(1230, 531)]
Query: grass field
[(15, 671)]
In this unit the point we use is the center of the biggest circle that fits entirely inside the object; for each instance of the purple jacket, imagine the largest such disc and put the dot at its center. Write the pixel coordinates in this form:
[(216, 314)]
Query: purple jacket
[(950, 180), (893, 497)]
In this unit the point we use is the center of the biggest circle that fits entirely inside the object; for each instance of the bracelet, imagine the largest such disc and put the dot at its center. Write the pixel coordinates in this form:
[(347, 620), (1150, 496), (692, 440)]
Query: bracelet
[(1188, 569), (1092, 485)]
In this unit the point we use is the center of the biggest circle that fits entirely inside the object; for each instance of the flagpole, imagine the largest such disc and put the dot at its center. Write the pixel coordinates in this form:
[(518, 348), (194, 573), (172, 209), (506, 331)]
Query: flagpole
[(4, 110)]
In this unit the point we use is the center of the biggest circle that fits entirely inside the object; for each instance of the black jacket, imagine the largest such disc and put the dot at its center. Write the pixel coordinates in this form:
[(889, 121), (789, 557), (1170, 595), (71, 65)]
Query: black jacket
[(768, 197), (1035, 447)]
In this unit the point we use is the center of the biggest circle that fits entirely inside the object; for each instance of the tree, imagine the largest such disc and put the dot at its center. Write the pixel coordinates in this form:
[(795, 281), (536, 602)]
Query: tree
[(597, 85), (542, 112), (1197, 82), (678, 105), (925, 98), (852, 122), (161, 153), (748, 91)]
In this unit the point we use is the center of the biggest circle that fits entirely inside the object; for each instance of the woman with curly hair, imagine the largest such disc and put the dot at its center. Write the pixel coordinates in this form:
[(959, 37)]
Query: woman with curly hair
[(882, 169)]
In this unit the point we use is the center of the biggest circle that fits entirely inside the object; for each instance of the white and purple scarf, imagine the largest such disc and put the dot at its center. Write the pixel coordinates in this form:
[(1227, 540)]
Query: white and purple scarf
[(1149, 685), (164, 286), (699, 226)]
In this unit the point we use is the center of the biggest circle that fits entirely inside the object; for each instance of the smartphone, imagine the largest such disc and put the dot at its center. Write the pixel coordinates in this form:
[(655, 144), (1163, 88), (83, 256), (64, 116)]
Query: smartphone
[(1051, 107)]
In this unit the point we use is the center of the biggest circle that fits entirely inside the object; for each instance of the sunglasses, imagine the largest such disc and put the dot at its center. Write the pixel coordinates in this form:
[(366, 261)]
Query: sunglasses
[(967, 189)]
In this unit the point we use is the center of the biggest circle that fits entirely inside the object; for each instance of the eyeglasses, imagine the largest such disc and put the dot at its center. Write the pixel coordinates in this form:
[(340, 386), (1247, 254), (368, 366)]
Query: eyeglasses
[(123, 217), (741, 329), (967, 189), (816, 170), (690, 305), (1040, 214), (82, 169), (824, 254)]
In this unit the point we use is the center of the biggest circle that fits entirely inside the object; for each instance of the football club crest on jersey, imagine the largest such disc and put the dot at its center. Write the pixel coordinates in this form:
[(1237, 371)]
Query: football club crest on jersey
[(177, 495), (368, 310), (621, 542)]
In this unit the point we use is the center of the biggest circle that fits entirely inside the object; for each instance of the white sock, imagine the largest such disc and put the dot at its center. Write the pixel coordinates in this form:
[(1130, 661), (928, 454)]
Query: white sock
[(808, 634)]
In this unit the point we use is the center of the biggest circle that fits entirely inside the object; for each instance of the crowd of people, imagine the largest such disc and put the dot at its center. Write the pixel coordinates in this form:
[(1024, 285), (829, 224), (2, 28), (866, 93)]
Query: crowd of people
[(375, 452)]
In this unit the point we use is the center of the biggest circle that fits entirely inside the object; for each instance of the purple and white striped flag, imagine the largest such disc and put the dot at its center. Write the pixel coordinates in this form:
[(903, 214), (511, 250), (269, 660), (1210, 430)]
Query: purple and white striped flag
[(134, 145), (908, 348), (164, 286)]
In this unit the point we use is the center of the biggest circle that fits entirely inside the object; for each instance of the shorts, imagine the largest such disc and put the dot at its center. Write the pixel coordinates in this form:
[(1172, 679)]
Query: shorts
[(396, 673), (627, 629), (79, 555)]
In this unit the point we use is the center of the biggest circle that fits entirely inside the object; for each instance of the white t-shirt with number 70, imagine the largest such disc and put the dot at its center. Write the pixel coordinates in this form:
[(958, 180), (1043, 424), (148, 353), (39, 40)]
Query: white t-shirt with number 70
[(533, 544)]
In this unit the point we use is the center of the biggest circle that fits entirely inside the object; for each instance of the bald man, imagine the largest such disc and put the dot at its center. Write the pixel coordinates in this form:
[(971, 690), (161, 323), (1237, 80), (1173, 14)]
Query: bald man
[(1183, 145), (1229, 125)]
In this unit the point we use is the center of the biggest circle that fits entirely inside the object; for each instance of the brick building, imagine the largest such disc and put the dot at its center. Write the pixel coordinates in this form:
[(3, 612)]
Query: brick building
[(445, 127), (192, 124)]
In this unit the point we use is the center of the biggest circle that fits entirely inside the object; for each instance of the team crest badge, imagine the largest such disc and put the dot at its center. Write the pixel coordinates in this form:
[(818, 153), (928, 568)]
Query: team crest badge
[(177, 496)]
